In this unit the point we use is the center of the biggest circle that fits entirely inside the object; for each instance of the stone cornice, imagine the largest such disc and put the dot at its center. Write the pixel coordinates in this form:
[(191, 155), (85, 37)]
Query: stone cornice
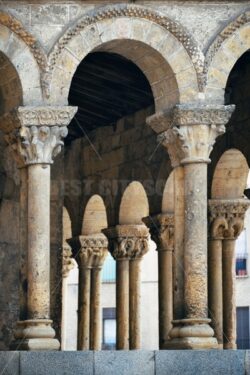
[(128, 241), (40, 131), (161, 228), (189, 131), (226, 217), (90, 251)]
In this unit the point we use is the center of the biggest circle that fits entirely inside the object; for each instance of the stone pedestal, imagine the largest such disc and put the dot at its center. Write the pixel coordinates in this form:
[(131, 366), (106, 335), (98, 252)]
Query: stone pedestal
[(90, 252), (128, 244), (189, 132), (162, 232), (37, 142)]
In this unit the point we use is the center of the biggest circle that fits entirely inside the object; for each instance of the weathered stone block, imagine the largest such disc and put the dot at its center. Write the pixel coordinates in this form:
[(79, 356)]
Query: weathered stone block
[(54, 363), (188, 362), (9, 363), (124, 363)]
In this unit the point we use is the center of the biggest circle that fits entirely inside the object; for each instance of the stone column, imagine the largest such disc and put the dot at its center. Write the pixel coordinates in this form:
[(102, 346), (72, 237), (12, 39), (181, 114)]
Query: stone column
[(233, 211), (189, 132), (128, 244), (162, 232), (67, 266), (218, 225), (90, 252), (38, 141)]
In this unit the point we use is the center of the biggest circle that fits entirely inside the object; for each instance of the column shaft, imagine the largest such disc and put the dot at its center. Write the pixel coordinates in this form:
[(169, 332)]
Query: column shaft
[(134, 303), (64, 312), (215, 297), (229, 307), (95, 309), (38, 241), (178, 265), (195, 256), (165, 295), (122, 304), (83, 308)]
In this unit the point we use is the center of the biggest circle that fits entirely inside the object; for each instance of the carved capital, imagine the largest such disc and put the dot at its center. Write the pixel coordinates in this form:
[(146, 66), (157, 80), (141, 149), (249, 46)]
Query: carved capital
[(161, 228), (68, 263), (41, 131), (189, 131), (90, 251), (226, 217), (128, 241)]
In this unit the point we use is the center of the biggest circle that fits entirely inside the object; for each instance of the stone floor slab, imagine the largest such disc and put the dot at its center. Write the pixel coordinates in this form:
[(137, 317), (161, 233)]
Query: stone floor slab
[(213, 362), (124, 363), (9, 363), (55, 363)]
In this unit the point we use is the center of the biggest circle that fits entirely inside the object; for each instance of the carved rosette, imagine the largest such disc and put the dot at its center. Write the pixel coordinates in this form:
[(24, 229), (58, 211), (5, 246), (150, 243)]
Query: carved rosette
[(226, 217), (161, 228), (90, 251), (40, 133), (128, 241), (189, 131), (68, 263)]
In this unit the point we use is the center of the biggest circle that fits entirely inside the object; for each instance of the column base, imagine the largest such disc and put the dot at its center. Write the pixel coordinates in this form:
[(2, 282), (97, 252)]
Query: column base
[(35, 335), (191, 334)]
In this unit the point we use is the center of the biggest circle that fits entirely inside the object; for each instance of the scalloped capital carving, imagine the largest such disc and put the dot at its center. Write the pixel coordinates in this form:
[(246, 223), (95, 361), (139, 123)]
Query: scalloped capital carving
[(226, 217), (189, 131), (40, 131), (68, 263), (90, 251), (128, 241), (161, 228)]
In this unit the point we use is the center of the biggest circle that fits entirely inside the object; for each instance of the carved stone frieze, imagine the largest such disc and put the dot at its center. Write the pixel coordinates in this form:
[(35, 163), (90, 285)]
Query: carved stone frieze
[(133, 11), (226, 217), (226, 33), (90, 251), (161, 228), (16, 26), (128, 241), (40, 132), (68, 263), (190, 130)]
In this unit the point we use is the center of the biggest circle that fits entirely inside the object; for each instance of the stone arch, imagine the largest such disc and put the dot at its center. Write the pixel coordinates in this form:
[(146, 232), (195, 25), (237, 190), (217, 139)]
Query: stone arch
[(168, 195), (95, 216), (223, 53), (21, 53), (230, 176), (161, 48), (134, 204)]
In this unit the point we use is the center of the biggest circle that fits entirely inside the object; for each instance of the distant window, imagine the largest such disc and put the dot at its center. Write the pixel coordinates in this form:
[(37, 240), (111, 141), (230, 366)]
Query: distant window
[(243, 334), (109, 270), (241, 254), (109, 329)]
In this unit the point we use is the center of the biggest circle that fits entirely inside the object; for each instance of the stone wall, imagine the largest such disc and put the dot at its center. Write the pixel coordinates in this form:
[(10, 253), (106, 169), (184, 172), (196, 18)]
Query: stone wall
[(139, 362), (108, 161)]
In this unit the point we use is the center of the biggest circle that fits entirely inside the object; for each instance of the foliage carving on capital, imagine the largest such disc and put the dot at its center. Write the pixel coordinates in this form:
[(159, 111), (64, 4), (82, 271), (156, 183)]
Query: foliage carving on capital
[(226, 217), (68, 263), (128, 241), (90, 251), (39, 138), (189, 131), (161, 228)]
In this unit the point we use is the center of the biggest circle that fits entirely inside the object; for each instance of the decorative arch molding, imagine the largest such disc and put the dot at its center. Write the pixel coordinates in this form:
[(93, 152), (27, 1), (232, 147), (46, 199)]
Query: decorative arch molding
[(223, 53), (26, 55), (190, 56)]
